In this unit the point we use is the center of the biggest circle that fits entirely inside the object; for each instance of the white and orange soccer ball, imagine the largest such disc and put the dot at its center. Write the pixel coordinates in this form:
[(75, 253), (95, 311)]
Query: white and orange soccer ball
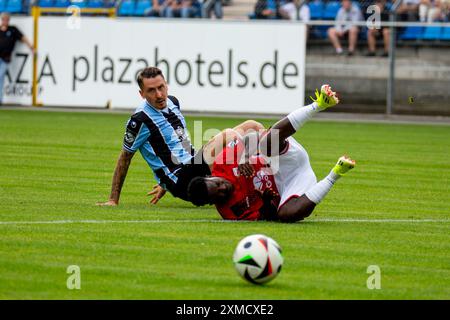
[(258, 258)]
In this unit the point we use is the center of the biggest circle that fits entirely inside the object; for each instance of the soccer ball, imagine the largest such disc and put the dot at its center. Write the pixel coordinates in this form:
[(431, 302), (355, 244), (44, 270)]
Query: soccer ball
[(258, 258)]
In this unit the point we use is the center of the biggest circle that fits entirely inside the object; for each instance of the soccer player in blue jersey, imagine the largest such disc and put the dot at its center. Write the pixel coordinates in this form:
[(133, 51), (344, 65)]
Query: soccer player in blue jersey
[(158, 130)]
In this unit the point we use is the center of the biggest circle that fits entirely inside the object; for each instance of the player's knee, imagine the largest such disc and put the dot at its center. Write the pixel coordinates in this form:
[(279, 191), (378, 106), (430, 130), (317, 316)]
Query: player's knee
[(226, 136), (296, 209), (290, 216)]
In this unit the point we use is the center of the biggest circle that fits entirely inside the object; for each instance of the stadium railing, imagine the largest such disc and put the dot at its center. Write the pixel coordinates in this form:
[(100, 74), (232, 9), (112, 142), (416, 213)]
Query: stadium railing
[(37, 11)]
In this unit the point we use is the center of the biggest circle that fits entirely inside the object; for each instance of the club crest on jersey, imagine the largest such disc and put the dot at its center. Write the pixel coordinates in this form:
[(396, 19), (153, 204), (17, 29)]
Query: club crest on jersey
[(129, 137), (236, 172), (133, 124)]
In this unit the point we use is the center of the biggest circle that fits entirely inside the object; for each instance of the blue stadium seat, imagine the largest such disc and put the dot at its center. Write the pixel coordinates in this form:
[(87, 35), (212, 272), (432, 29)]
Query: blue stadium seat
[(2, 5), (126, 8), (319, 32), (412, 33), (445, 33), (432, 33), (316, 9), (331, 10), (79, 3), (62, 3), (141, 7), (95, 4), (14, 6), (46, 3), (363, 33)]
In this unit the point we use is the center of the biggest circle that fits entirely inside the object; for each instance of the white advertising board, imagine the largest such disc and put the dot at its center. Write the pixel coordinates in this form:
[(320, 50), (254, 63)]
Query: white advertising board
[(216, 66)]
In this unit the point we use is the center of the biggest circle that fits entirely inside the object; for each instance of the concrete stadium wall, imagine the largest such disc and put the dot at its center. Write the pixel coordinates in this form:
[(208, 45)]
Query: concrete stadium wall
[(422, 79)]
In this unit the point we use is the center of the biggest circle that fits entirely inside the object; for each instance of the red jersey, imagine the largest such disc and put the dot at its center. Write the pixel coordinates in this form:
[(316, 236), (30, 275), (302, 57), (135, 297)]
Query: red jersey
[(246, 201)]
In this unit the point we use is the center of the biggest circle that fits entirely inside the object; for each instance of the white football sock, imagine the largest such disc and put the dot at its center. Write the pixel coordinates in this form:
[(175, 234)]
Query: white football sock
[(301, 115), (321, 188)]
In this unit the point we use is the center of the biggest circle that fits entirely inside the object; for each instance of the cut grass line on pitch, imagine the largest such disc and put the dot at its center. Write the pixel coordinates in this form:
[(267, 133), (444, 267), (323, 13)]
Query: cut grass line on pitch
[(220, 221)]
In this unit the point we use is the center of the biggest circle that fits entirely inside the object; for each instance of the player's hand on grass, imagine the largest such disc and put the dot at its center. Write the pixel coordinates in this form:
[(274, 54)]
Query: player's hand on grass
[(247, 170), (158, 192), (111, 203)]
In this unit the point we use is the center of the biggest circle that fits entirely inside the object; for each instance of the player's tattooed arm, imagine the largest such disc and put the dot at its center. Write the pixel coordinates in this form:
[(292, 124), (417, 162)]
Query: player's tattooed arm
[(120, 173)]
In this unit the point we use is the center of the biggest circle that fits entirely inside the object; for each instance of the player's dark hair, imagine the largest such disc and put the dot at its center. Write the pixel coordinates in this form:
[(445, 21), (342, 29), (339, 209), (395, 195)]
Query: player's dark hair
[(147, 73), (198, 191)]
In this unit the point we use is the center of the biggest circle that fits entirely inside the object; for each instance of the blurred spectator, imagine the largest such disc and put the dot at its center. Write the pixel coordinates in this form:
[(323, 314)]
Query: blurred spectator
[(347, 14), (445, 5), (181, 9), (107, 3), (409, 10), (431, 10), (9, 35), (212, 5), (295, 10), (267, 9), (158, 9), (373, 33)]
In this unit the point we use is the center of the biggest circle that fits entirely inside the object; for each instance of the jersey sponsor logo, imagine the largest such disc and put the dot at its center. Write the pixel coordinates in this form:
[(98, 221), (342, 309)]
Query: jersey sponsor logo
[(261, 180), (180, 133), (241, 206)]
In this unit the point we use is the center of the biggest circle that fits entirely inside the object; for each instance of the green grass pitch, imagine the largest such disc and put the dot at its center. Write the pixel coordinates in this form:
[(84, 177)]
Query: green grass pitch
[(56, 166)]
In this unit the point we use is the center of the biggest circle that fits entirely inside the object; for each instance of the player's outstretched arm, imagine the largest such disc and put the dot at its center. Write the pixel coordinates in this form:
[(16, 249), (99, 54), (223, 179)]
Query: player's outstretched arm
[(120, 173)]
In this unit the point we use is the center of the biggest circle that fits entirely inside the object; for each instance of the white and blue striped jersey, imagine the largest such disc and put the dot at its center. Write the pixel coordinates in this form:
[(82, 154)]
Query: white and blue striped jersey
[(160, 136)]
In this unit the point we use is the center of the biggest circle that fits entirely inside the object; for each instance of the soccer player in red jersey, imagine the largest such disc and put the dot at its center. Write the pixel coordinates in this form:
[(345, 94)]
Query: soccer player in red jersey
[(254, 195), (294, 190)]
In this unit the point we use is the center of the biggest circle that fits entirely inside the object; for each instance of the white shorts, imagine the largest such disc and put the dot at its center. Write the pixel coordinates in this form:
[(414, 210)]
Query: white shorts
[(292, 171)]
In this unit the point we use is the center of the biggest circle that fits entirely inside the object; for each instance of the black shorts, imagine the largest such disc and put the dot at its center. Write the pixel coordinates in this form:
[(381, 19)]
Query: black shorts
[(196, 168)]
